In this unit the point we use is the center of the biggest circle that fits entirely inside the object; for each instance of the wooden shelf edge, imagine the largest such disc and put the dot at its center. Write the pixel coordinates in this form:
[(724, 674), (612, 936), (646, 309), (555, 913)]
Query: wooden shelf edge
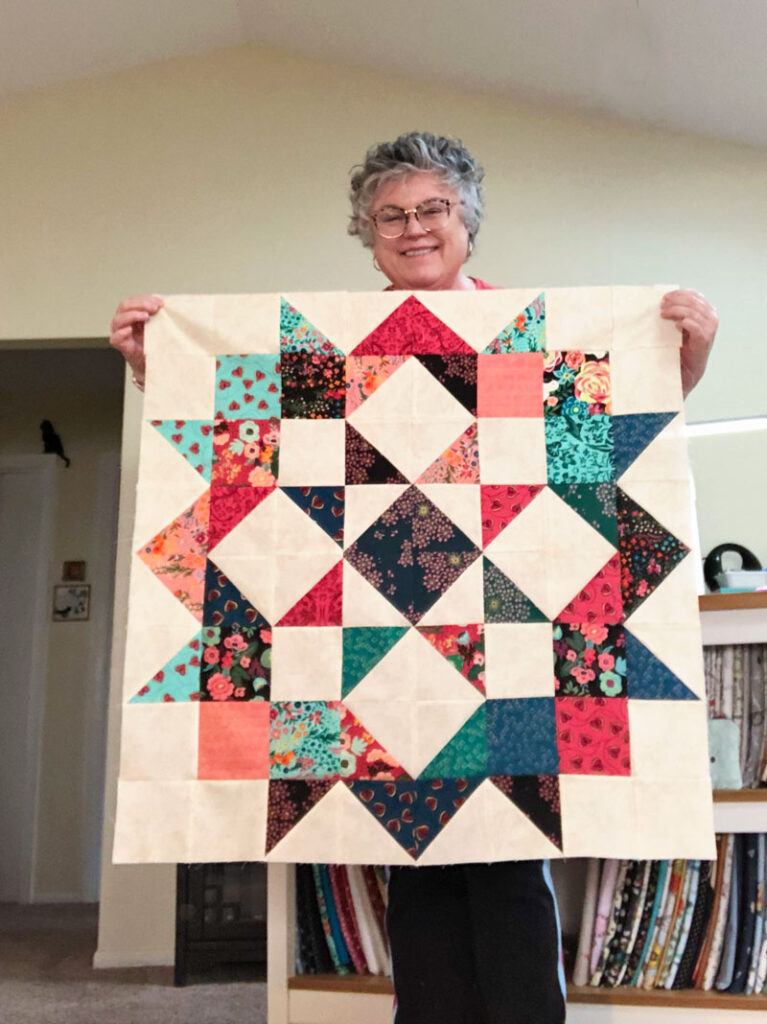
[(732, 602), (740, 796), (682, 998), (368, 984)]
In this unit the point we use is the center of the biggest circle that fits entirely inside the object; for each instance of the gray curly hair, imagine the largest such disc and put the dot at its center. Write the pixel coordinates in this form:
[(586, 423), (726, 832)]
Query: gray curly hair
[(409, 154)]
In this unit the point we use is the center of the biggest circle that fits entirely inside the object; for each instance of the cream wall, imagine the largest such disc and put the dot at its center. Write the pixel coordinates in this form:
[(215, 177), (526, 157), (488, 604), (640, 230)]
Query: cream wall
[(228, 173), (81, 393)]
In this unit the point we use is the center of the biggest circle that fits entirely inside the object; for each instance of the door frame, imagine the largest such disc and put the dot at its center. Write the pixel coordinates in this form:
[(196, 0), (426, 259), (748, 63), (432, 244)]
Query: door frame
[(45, 469)]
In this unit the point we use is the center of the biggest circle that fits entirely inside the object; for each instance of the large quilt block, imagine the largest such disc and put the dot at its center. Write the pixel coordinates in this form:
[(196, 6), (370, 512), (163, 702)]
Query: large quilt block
[(412, 583)]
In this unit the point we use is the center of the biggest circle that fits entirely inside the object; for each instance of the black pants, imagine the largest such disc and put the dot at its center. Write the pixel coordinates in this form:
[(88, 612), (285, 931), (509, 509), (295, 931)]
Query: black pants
[(475, 944)]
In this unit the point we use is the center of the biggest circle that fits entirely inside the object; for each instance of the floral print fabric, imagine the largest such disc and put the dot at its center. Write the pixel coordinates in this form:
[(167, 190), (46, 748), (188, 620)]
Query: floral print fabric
[(590, 659), (412, 554), (246, 452)]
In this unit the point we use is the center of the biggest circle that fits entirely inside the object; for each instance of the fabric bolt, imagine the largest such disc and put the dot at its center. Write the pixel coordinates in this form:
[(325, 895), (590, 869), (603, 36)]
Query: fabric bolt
[(374, 891), (697, 932), (334, 919), (652, 948), (338, 955), (759, 914), (347, 919), (665, 921), (311, 940), (673, 925), (628, 939), (615, 916), (712, 951), (372, 940), (616, 957), (747, 916), (588, 915), (681, 930), (726, 968), (726, 936), (607, 884), (646, 922)]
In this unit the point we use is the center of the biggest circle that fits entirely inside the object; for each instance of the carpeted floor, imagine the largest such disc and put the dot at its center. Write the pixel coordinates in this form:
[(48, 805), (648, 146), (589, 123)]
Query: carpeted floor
[(46, 978)]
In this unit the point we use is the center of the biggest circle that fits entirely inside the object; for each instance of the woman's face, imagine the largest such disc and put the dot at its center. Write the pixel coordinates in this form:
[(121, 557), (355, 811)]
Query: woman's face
[(421, 259)]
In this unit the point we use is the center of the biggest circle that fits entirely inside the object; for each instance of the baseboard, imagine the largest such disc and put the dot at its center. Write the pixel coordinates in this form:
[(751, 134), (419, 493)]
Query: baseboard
[(40, 899), (132, 958)]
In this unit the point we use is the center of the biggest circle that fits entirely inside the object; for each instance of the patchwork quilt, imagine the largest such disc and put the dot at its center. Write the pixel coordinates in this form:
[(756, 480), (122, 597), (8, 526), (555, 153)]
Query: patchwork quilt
[(412, 583)]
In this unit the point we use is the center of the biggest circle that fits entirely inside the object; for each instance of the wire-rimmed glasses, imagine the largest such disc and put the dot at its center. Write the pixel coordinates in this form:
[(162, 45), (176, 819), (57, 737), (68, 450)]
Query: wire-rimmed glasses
[(431, 214)]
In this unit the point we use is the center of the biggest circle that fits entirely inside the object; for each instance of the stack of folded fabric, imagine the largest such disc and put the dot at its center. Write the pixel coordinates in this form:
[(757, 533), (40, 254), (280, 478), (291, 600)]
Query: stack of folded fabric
[(677, 924), (736, 688), (341, 919)]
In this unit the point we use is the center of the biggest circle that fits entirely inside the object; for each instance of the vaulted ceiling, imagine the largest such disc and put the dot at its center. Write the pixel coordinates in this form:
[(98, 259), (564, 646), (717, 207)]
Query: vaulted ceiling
[(687, 65)]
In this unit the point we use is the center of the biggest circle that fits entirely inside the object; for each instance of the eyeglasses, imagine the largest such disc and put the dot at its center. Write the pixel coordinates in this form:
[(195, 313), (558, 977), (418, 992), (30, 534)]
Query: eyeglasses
[(432, 214)]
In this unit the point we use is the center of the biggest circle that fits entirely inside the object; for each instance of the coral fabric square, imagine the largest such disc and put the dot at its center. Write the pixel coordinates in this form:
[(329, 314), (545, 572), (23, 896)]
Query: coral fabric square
[(510, 384), (233, 741)]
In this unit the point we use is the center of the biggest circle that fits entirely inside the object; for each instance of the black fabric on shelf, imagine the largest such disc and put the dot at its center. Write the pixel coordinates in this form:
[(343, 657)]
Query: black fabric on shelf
[(746, 850), (700, 918)]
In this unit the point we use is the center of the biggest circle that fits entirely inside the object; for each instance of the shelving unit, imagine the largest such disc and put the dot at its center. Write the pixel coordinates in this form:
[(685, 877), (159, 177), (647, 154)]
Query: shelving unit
[(330, 999)]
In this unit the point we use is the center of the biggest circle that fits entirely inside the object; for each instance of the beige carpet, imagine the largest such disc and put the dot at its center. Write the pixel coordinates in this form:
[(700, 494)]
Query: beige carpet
[(46, 978)]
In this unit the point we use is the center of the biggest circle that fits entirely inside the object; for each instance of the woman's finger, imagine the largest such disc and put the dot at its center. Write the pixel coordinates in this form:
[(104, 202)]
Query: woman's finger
[(134, 316)]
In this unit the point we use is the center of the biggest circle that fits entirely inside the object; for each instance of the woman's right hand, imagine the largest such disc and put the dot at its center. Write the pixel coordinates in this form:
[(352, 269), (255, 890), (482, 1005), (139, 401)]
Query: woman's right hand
[(127, 331)]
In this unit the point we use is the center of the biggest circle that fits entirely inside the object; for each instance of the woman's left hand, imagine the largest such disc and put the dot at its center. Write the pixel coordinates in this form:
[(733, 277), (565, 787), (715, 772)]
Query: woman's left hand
[(696, 318)]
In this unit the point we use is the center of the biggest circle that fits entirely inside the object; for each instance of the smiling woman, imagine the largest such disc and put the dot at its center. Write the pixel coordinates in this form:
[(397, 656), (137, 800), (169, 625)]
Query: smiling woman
[(469, 942), (417, 203)]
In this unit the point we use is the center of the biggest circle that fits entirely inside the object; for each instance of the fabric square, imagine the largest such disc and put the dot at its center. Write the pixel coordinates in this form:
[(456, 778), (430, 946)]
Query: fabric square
[(246, 452), (526, 332), (178, 679), (510, 385), (306, 663), (236, 662), (412, 554), (590, 660), (313, 385), (458, 374), (412, 329), (247, 384), (549, 552), (518, 660), (593, 736), (142, 757), (521, 737), (576, 384), (579, 450), (305, 739), (233, 741), (176, 555), (413, 701), (512, 450), (411, 420), (312, 452), (365, 374), (191, 438)]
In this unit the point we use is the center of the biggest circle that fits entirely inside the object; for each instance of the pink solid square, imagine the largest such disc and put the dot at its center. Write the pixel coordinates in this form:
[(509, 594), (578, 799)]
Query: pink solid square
[(233, 740), (510, 384)]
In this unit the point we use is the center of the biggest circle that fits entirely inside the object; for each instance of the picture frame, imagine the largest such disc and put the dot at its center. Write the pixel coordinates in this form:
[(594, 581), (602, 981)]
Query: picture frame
[(73, 572), (71, 603)]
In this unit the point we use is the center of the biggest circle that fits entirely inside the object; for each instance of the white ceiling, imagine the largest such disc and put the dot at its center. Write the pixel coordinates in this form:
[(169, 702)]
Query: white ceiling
[(687, 65)]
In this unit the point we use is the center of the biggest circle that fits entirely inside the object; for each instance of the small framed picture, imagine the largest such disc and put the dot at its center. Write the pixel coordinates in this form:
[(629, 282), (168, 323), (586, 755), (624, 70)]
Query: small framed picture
[(73, 572), (71, 604)]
